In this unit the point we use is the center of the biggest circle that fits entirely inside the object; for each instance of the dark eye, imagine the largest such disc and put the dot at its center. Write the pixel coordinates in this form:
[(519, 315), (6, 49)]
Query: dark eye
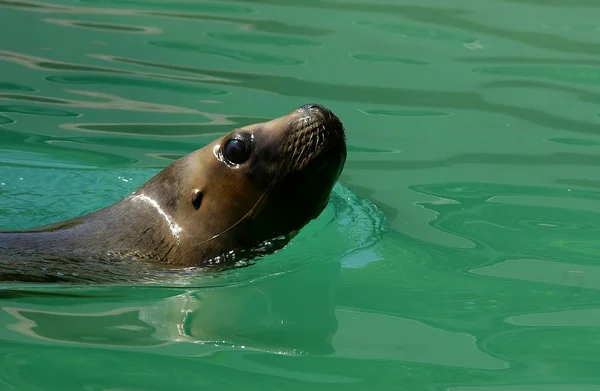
[(236, 150), (197, 199)]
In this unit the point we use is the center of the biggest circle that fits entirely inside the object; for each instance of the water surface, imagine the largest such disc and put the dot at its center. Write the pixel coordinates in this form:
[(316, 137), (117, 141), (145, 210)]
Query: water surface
[(460, 252)]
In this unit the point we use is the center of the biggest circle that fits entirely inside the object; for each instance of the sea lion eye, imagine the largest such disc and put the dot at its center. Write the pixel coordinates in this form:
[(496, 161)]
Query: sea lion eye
[(197, 199), (236, 150)]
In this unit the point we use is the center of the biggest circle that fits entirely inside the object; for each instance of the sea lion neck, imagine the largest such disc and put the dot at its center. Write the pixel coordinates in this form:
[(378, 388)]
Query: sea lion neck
[(111, 237), (141, 225)]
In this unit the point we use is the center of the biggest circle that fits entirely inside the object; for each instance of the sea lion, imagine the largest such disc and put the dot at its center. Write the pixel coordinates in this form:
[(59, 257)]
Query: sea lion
[(255, 184)]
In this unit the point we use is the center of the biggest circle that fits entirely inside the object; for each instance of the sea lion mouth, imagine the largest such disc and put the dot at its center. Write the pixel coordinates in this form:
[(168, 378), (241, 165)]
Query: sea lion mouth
[(314, 137)]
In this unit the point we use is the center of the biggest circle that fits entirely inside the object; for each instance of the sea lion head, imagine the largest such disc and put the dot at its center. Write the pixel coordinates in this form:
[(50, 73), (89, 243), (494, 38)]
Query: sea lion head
[(256, 183)]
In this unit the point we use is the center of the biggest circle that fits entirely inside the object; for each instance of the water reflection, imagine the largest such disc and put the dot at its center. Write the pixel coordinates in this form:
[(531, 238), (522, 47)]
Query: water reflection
[(416, 31), (387, 58), (36, 110), (520, 222), (553, 159), (46, 64), (525, 60), (214, 126), (267, 26), (22, 149), (542, 271), (529, 387), (216, 8), (585, 317), (121, 28), (105, 101), (573, 74), (4, 120), (461, 19), (574, 141), (558, 3), (9, 86), (278, 315), (263, 39), (233, 54), (382, 337), (289, 86), (404, 113), (488, 281), (296, 87), (147, 83)]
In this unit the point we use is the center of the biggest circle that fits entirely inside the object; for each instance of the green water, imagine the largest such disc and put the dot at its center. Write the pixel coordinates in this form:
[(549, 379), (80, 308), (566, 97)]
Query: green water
[(460, 250)]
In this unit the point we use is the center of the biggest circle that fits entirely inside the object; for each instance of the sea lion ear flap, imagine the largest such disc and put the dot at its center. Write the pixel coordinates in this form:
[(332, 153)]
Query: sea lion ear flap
[(196, 199)]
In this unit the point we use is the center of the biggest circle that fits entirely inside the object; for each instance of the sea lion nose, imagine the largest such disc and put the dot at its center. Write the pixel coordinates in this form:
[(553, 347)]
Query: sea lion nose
[(312, 106)]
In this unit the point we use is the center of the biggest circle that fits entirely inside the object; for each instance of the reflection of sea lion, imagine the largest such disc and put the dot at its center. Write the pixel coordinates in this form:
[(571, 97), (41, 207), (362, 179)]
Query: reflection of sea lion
[(254, 184)]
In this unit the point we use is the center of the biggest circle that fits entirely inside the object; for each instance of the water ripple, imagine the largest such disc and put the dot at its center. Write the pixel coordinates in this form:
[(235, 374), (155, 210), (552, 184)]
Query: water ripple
[(120, 28), (267, 26), (214, 126), (262, 39), (156, 84), (36, 110), (234, 54), (289, 86), (8, 86), (464, 257), (455, 18), (111, 102), (386, 58)]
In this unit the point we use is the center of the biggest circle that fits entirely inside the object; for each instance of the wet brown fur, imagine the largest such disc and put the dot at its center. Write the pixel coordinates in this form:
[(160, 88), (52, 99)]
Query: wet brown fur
[(287, 182)]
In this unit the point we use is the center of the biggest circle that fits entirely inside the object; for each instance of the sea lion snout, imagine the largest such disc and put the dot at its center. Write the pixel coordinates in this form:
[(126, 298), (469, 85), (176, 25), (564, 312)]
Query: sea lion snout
[(316, 137), (314, 106), (313, 111), (312, 152)]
